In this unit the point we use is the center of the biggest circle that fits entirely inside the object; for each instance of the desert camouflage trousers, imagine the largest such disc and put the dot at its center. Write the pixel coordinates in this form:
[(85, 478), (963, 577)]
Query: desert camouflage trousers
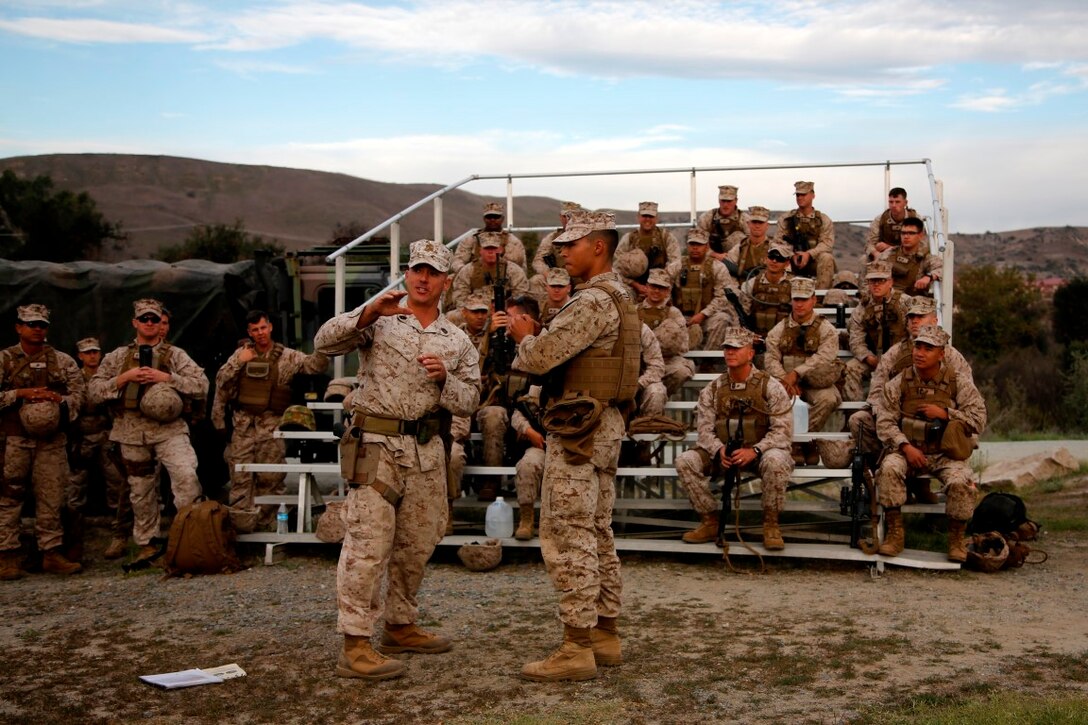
[(694, 468), (853, 379), (652, 399), (714, 329), (43, 466), (178, 458), (822, 403), (387, 545), (863, 424), (529, 472), (576, 533), (252, 442), (678, 370), (493, 421), (956, 477), (94, 457)]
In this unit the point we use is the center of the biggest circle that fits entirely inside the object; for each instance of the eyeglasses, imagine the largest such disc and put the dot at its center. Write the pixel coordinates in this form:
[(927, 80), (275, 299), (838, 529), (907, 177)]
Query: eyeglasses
[(149, 318), (36, 325)]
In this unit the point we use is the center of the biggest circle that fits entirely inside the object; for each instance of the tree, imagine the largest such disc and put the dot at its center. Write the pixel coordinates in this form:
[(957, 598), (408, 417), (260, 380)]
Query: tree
[(1071, 311), (38, 222), (997, 310), (219, 243)]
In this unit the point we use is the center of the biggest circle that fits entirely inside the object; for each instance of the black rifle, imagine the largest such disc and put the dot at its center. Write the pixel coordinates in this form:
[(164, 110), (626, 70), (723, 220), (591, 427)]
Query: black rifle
[(854, 500), (500, 348), (732, 474)]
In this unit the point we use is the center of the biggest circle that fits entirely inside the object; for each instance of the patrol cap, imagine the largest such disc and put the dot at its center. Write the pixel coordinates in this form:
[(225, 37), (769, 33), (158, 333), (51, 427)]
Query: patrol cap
[(727, 193), (845, 277), (477, 302), (647, 208), (147, 305), (933, 335), (801, 288), (557, 277), (878, 270), (34, 313), (759, 213), (490, 239), (803, 187), (698, 236), (781, 247), (88, 344), (566, 207), (737, 336), (659, 278), (922, 306), (494, 208), (425, 251), (583, 223)]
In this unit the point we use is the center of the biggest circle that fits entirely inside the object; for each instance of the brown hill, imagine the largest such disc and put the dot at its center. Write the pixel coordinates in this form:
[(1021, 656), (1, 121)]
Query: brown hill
[(160, 199)]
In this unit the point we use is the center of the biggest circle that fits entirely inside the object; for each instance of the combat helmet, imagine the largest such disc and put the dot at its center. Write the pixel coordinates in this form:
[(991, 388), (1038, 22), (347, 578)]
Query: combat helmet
[(298, 417), (161, 403), (40, 419), (481, 556)]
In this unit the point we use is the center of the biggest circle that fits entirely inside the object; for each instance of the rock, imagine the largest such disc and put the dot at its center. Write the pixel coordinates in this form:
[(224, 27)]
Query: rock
[(1032, 469)]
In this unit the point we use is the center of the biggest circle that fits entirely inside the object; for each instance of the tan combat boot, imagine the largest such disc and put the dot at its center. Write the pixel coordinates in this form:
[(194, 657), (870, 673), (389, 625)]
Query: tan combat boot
[(573, 660), (525, 522), (605, 640), (410, 638), (11, 565), (707, 530), (772, 535), (957, 548), (358, 659), (893, 534), (116, 549), (54, 562), (148, 552)]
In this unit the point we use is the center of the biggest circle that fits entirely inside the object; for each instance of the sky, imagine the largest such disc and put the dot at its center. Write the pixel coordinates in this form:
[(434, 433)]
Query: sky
[(994, 94)]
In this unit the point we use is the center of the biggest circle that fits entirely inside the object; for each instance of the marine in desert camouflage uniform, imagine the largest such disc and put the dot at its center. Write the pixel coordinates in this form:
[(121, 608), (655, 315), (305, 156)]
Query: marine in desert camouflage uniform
[(652, 394), (811, 235), (488, 270), (752, 400), (645, 248), (874, 326), (468, 250), (914, 269), (765, 297), (750, 253), (545, 258), (41, 393), (670, 328), (702, 288), (255, 384), (557, 294), (724, 226), (421, 369), (593, 343), (928, 392), (145, 441), (884, 229)]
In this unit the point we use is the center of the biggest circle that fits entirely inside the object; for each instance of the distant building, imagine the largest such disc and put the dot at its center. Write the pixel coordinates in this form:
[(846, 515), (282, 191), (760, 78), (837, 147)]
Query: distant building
[(1047, 286)]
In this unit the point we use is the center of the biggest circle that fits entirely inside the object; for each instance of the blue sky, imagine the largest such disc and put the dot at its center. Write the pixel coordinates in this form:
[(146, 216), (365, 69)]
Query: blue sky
[(993, 92)]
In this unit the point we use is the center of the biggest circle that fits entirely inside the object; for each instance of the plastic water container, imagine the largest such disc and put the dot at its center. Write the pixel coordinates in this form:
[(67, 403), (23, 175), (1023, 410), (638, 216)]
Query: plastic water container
[(800, 415), (499, 521), (281, 519)]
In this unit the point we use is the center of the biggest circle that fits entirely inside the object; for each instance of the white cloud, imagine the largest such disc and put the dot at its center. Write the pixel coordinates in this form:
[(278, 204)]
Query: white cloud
[(989, 101), (99, 31), (248, 68)]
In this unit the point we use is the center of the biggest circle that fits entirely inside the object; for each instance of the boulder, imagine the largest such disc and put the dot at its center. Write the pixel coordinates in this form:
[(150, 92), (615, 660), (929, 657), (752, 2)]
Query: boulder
[(1025, 471)]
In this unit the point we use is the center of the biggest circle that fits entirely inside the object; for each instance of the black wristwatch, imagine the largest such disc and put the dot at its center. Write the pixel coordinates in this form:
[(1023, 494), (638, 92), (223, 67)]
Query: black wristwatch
[(759, 453)]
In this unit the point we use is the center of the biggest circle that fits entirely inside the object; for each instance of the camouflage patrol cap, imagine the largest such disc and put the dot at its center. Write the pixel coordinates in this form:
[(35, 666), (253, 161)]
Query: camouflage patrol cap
[(145, 306), (738, 337), (727, 193), (878, 270), (781, 247), (494, 208), (477, 301), (659, 278), (922, 306), (481, 556), (846, 277), (582, 223), (801, 288), (759, 213), (425, 251), (490, 239), (647, 208), (932, 335), (566, 207), (34, 313), (698, 236), (557, 277), (299, 418), (88, 344), (803, 187)]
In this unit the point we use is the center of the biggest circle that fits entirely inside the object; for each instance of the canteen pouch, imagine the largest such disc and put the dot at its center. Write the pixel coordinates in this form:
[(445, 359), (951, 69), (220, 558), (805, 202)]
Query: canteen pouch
[(956, 443), (574, 422)]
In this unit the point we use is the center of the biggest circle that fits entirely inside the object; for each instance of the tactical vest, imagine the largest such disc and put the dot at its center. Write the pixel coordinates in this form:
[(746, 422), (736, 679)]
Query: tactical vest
[(654, 246), (132, 392), (744, 404), (915, 392), (30, 371), (885, 324), (770, 303), (482, 278), (721, 227), (259, 388), (696, 288), (802, 233), (652, 317), (504, 236), (750, 257), (799, 342), (904, 360), (889, 228), (906, 268), (610, 377)]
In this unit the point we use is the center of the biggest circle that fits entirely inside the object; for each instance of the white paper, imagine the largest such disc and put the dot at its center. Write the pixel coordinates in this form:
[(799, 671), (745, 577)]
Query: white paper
[(184, 678)]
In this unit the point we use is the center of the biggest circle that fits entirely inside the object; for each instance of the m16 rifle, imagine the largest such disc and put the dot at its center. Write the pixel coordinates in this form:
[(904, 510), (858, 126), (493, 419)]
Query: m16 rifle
[(858, 500), (500, 348), (732, 474)]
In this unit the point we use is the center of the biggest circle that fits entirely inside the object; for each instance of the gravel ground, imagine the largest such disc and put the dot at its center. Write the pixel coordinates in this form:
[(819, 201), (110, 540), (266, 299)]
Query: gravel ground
[(807, 642)]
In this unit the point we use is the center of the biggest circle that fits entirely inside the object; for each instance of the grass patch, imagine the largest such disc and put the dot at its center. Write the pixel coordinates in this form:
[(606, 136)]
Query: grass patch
[(1000, 709)]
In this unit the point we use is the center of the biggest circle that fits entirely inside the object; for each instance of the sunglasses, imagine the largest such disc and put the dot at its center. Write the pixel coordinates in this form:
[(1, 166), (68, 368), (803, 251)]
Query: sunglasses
[(36, 325), (777, 257), (149, 318)]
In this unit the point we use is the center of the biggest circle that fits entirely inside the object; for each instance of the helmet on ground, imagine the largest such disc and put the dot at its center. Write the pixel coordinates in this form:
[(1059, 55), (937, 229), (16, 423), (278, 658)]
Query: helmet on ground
[(987, 552), (161, 403), (481, 556), (298, 417), (40, 419)]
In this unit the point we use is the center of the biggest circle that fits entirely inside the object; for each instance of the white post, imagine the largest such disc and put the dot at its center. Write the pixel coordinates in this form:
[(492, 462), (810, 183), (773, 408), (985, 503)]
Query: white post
[(339, 300), (694, 199), (438, 220), (509, 202)]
